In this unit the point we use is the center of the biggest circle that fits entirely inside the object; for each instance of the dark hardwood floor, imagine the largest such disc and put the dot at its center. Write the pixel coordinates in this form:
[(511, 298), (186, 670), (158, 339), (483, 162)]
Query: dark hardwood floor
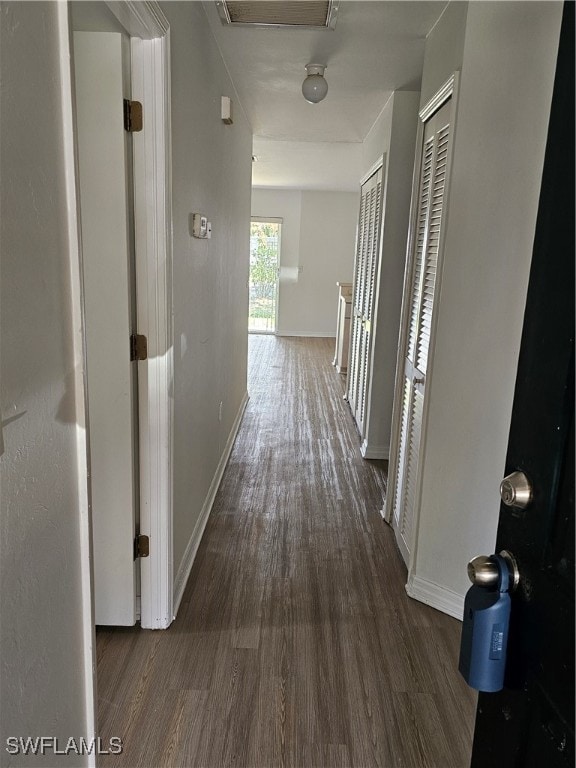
[(295, 644)]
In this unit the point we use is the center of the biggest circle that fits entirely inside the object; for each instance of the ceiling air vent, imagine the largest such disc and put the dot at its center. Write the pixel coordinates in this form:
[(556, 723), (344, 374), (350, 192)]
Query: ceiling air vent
[(318, 14)]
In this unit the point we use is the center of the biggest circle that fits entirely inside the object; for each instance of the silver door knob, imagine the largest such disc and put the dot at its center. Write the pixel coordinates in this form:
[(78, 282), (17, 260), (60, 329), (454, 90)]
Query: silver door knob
[(516, 490), (483, 571)]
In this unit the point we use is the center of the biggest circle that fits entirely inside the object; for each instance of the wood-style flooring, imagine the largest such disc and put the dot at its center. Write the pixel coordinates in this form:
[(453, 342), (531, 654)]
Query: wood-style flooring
[(295, 644)]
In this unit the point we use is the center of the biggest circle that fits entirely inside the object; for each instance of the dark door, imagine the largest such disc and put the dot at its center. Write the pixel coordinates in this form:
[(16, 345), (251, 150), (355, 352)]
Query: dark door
[(530, 722)]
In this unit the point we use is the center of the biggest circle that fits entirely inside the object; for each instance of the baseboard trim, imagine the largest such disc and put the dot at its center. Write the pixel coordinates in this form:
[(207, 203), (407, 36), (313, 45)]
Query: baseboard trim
[(374, 451), (196, 537), (441, 598), (308, 334)]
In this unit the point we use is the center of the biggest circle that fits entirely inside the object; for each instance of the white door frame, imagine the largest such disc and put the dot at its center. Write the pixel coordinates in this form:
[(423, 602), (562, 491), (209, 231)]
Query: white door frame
[(150, 51), (145, 20), (70, 161), (150, 64), (447, 91)]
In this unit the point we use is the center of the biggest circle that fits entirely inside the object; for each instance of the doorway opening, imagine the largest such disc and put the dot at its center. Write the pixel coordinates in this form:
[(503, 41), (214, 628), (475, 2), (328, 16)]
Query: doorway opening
[(140, 298), (105, 176), (265, 235)]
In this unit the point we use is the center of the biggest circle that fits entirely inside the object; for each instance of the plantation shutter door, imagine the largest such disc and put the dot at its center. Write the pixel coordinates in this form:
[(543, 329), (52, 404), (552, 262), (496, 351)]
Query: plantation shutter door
[(368, 307), (353, 365), (431, 204), (363, 295)]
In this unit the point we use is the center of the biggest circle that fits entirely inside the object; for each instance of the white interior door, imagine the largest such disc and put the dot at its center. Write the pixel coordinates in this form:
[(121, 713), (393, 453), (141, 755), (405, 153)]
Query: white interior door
[(365, 266), (101, 61), (431, 205)]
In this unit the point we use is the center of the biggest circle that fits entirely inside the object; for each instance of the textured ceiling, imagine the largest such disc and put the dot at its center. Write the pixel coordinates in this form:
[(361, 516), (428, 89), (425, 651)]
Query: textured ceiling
[(376, 48), (307, 165)]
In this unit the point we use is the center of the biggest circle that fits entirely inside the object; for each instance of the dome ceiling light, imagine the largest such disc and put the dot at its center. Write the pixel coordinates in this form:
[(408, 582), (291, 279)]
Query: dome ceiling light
[(314, 87)]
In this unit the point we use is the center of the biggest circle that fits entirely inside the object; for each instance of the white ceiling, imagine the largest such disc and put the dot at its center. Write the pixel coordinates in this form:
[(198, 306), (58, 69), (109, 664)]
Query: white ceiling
[(376, 48), (307, 164)]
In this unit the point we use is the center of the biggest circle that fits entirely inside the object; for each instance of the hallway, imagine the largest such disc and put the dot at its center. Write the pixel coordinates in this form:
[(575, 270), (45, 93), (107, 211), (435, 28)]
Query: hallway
[(295, 644)]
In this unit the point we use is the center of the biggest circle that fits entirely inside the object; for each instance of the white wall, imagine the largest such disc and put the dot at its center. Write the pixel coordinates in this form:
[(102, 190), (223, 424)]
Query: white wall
[(508, 65), (318, 236), (315, 165), (444, 49), (211, 174), (46, 673), (287, 205), (377, 141)]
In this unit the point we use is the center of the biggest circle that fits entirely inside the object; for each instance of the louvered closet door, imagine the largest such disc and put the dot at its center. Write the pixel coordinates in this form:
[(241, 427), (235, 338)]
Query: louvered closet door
[(365, 267), (431, 204)]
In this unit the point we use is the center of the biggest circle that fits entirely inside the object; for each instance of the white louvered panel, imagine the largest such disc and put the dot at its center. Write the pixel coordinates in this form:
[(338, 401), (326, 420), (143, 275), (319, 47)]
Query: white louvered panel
[(426, 244), (411, 468), (374, 261), (363, 257), (357, 259), (369, 258), (371, 264), (353, 368), (401, 456), (352, 364), (355, 326), (363, 297), (431, 261), (362, 383), (424, 201), (359, 253), (365, 248), (365, 369), (362, 249), (362, 334), (355, 362)]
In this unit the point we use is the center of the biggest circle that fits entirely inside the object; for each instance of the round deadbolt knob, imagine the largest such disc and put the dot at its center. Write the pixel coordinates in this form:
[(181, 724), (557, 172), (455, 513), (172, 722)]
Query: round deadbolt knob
[(483, 572), (516, 490)]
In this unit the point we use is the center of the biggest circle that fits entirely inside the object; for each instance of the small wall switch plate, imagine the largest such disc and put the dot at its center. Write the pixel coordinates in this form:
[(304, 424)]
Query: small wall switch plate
[(226, 110), (199, 226), (209, 230)]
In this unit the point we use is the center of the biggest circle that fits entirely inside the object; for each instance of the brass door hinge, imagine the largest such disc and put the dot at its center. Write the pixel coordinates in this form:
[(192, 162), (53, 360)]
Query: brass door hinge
[(138, 347), (132, 116), (141, 546)]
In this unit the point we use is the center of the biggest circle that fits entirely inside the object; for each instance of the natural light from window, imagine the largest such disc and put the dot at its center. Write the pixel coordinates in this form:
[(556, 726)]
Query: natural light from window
[(264, 270)]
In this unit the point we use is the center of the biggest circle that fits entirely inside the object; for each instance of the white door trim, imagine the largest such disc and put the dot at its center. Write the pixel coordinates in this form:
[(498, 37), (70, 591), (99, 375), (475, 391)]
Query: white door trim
[(79, 379), (448, 90), (374, 169), (150, 49)]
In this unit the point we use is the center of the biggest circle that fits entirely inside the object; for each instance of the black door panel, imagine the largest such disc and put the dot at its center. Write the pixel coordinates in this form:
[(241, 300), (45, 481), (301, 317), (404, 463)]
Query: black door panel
[(530, 722)]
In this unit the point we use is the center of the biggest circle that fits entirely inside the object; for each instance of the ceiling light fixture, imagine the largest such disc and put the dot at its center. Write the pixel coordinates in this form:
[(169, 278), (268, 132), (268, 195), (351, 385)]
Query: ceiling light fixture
[(314, 87)]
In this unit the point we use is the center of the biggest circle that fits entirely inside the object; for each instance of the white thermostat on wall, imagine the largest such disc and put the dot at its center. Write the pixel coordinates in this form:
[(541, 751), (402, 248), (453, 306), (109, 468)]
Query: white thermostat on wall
[(199, 225)]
